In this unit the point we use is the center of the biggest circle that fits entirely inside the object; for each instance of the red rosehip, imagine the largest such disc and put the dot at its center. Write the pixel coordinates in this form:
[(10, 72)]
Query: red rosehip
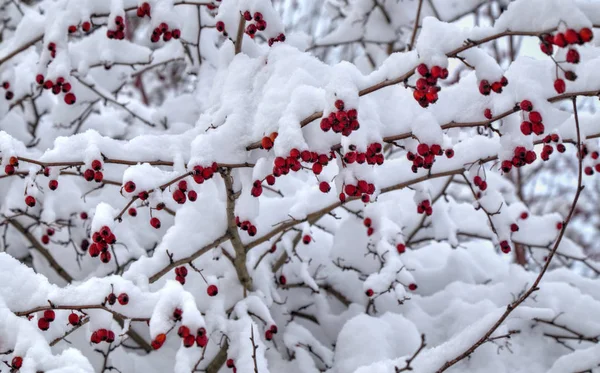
[(423, 70), (189, 340), (230, 363), (74, 319), (412, 287), (30, 201), (123, 299), (573, 56), (212, 290), (324, 187), (586, 34), (154, 222), (559, 86), (401, 248), (306, 239), (17, 362), (369, 293), (43, 324)]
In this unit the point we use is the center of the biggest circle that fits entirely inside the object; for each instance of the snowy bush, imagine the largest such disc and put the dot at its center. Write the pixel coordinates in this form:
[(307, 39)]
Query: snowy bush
[(368, 186)]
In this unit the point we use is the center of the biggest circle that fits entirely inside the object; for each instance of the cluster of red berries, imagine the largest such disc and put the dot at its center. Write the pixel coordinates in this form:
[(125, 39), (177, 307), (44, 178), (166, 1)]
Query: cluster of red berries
[(480, 183), (201, 339), (143, 10), (44, 322), (163, 29), (101, 240), (369, 224), (204, 173), (425, 156), (282, 166), (521, 157), (269, 332), (279, 38), (426, 88), (425, 207), (52, 49), (485, 88), (561, 40), (534, 125), (362, 188), (246, 225), (16, 363), (155, 222), (119, 33), (57, 87), (94, 173), (259, 23), (548, 149), (46, 237), (257, 187), (268, 141), (179, 193), (102, 335), (181, 274), (112, 298), (342, 121), (372, 156), (588, 170), (10, 168), (85, 26), (9, 94)]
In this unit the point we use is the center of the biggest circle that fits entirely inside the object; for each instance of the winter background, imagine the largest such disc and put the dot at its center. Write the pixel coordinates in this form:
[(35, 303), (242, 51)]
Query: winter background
[(368, 186)]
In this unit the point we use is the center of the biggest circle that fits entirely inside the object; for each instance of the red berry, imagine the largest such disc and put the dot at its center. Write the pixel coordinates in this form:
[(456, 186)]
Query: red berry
[(212, 290), (183, 331), (324, 187), (98, 176), (49, 315), (369, 292), (123, 299), (154, 222), (105, 256), (86, 26), (230, 363), (535, 117), (484, 87), (129, 187), (559, 40), (306, 239), (17, 362), (401, 248), (559, 86), (412, 287), (586, 34), (179, 196), (588, 171), (30, 201), (43, 324), (201, 340), (423, 70), (571, 36), (487, 113), (74, 319), (573, 56), (220, 25), (526, 128), (339, 104), (188, 340)]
